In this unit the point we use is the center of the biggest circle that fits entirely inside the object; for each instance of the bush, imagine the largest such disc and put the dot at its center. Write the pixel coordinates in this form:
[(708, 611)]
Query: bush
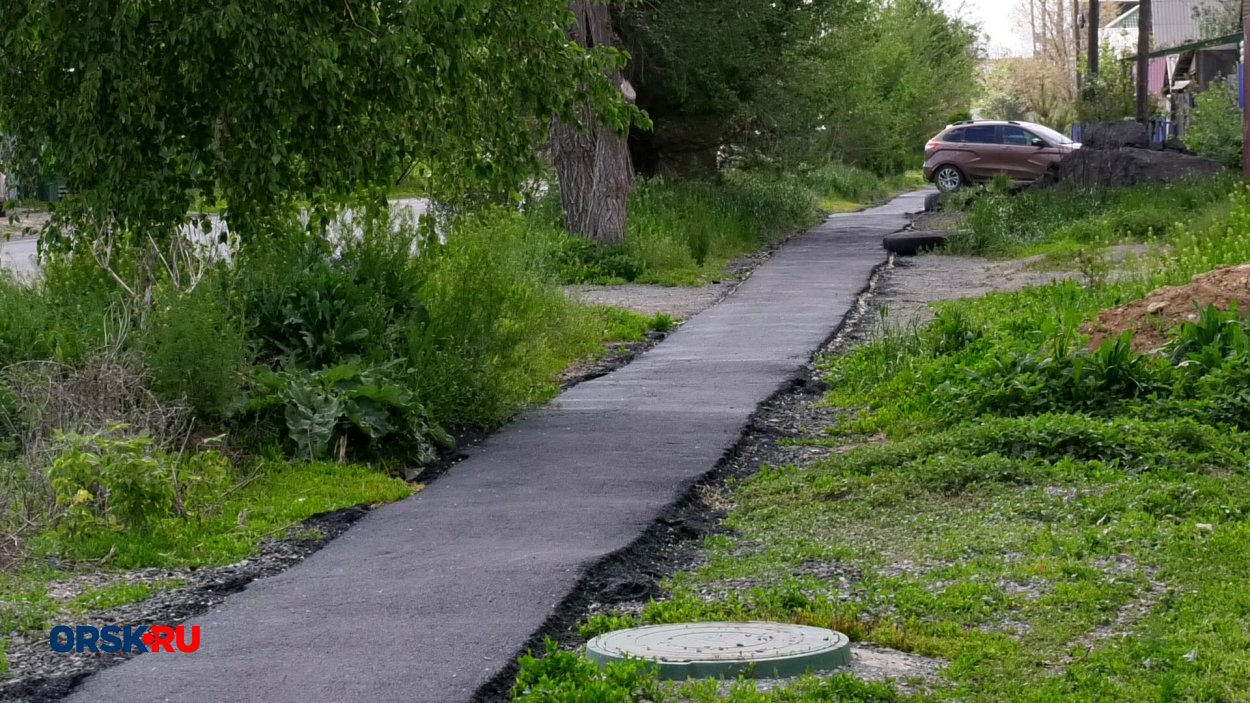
[(481, 351), (1215, 125), (1011, 225), (328, 408), (566, 677), (108, 482), (197, 349)]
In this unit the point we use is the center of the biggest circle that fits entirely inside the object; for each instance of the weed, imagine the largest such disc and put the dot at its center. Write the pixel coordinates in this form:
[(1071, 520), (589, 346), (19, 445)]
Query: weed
[(662, 322), (566, 677)]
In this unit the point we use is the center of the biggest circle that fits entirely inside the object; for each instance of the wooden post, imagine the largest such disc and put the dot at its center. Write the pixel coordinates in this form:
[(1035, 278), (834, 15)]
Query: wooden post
[(1091, 68), (1143, 62), (1245, 91)]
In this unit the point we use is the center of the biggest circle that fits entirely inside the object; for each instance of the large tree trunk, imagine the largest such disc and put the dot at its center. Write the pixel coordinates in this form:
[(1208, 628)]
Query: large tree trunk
[(593, 163)]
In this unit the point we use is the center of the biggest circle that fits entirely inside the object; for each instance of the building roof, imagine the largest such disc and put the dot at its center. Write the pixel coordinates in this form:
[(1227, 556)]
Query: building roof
[(1176, 22)]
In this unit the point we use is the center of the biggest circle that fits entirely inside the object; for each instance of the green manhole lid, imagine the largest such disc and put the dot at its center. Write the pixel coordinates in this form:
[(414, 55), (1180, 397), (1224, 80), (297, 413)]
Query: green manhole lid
[(726, 649)]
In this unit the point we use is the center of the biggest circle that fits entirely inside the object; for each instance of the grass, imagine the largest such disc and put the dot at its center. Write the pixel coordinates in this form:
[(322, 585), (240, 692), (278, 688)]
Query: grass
[(686, 232), (1059, 220), (1053, 524), (275, 496)]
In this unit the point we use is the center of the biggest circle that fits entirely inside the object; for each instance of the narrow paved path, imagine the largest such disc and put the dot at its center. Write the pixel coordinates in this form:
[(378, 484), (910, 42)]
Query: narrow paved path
[(426, 600)]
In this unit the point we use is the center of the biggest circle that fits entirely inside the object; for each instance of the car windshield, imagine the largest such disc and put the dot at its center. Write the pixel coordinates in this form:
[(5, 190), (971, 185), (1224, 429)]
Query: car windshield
[(1050, 135)]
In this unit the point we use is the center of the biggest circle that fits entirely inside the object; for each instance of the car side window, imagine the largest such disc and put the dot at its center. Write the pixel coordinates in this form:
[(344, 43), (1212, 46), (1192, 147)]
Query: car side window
[(955, 135), (1016, 136), (981, 135)]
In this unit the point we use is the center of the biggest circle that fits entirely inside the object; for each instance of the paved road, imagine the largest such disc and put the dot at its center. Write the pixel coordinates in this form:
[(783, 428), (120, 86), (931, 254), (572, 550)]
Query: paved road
[(427, 599), (19, 253)]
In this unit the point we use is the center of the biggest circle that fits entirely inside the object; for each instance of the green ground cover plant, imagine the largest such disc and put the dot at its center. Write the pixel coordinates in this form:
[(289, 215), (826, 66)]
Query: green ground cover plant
[(1053, 523), (1063, 220)]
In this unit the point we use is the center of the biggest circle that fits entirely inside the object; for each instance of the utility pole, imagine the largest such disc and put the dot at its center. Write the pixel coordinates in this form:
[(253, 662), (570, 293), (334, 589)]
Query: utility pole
[(1093, 20), (1143, 62), (1245, 119)]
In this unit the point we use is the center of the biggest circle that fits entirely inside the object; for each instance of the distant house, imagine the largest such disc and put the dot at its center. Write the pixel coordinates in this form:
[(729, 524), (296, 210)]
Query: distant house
[(1193, 43)]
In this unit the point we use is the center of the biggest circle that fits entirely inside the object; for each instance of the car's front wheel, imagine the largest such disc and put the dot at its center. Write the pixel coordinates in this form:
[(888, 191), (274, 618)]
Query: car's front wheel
[(948, 179)]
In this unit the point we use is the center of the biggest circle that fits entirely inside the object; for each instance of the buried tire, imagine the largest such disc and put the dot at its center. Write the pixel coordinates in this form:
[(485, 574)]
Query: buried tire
[(912, 243)]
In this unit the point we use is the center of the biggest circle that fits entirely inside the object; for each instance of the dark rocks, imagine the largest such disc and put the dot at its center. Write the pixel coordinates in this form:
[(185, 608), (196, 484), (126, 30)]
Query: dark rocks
[(1117, 135), (912, 243), (1129, 166)]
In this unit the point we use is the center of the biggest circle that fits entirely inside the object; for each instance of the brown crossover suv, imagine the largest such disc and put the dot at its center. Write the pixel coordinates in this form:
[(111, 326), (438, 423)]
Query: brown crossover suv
[(973, 152)]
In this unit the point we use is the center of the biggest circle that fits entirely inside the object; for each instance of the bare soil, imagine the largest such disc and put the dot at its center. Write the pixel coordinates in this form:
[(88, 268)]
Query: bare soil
[(1153, 317)]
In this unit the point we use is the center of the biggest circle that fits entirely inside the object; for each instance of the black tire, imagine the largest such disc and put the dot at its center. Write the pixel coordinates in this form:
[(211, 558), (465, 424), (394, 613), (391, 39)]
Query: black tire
[(912, 243), (949, 178)]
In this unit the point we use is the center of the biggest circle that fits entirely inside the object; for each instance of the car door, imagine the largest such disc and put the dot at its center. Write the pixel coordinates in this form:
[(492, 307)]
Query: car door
[(981, 155), (1026, 155)]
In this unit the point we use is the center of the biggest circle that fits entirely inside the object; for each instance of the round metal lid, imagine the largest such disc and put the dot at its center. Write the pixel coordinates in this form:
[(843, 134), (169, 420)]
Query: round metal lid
[(726, 649)]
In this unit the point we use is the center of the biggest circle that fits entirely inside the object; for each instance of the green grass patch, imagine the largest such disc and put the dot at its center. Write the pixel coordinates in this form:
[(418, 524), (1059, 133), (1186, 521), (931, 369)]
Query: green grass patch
[(685, 232), (1029, 223), (119, 594)]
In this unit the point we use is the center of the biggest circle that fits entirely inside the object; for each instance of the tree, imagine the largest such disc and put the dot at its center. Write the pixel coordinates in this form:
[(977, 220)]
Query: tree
[(699, 66), (144, 104), (1218, 18), (591, 157), (1047, 83), (869, 91)]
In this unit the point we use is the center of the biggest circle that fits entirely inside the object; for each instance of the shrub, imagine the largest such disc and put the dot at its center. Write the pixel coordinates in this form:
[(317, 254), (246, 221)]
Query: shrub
[(109, 481), (566, 677), (196, 349), (495, 332), (1215, 125), (333, 406)]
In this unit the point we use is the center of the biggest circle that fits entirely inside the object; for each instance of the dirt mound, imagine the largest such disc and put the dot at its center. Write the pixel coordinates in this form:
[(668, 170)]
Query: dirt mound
[(1151, 318), (1120, 154), (1129, 166), (1114, 135)]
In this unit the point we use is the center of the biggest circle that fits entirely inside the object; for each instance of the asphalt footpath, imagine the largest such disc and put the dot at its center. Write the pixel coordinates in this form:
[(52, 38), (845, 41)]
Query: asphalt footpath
[(427, 599)]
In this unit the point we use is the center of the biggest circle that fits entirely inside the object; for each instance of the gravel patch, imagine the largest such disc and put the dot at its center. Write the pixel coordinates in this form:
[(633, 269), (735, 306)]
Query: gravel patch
[(682, 303)]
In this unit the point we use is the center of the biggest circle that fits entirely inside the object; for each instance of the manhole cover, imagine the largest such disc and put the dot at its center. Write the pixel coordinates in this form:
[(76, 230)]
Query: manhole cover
[(726, 649)]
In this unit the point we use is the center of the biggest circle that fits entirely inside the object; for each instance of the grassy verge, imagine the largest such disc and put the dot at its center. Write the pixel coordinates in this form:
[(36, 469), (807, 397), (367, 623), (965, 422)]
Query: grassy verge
[(685, 232), (1061, 222), (300, 381), (1055, 523)]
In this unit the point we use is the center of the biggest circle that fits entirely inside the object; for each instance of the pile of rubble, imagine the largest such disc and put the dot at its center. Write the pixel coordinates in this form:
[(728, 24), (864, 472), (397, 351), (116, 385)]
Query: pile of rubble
[(1121, 154)]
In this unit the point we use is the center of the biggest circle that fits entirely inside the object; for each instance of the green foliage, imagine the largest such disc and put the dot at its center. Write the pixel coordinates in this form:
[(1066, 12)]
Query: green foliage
[(196, 348), (1215, 125), (105, 483), (698, 68), (565, 677), (1014, 225), (914, 66), (482, 352), (350, 402), (581, 260), (464, 90), (1111, 95), (662, 322)]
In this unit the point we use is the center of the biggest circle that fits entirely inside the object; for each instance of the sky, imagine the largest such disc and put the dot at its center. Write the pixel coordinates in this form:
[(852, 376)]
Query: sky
[(997, 20)]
